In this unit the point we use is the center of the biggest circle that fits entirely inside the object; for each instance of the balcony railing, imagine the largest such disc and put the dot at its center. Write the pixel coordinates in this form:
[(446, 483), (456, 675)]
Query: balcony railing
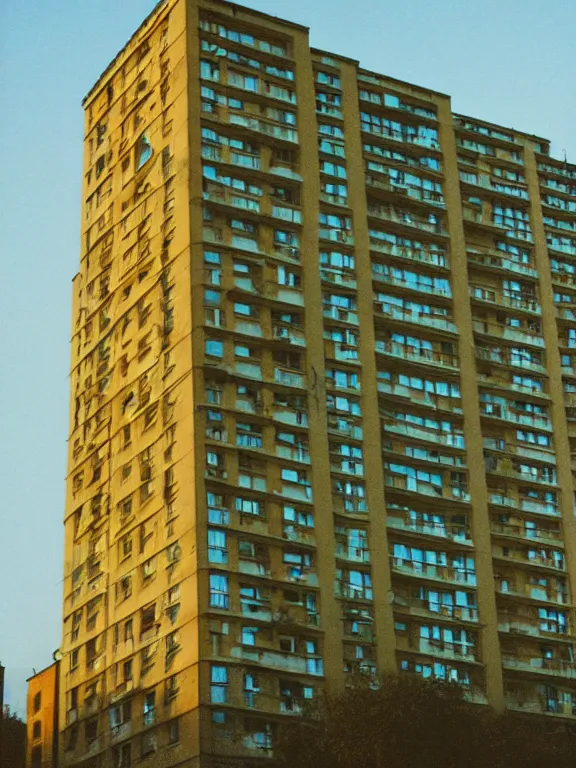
[(414, 316), (444, 438), (417, 354), (401, 482), (451, 531), (389, 214), (497, 261), (544, 535), (435, 572), (436, 258)]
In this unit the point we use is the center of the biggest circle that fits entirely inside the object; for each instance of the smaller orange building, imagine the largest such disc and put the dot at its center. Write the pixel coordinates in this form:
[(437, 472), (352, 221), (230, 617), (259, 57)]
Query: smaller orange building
[(42, 718)]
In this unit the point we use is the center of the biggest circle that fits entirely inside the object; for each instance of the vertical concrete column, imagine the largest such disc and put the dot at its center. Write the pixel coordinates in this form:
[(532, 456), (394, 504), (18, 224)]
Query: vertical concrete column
[(331, 621), (480, 522), (373, 466), (553, 363)]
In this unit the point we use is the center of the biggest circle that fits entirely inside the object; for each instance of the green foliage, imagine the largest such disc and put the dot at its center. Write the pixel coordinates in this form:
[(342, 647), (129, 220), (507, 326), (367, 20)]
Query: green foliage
[(13, 742), (409, 723)]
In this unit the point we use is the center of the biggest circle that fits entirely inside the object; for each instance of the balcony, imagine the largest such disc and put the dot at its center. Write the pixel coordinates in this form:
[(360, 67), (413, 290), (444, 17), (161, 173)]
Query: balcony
[(383, 275), (442, 650), (495, 260), (526, 303), (533, 592), (414, 222), (556, 667), (498, 411), (504, 356), (417, 354), (268, 129), (500, 331), (523, 451), (394, 312), (293, 453), (451, 531), (541, 705), (289, 379), (434, 258), (537, 535), (504, 381), (425, 608), (339, 277), (382, 182), (289, 334), (420, 397), (520, 557), (343, 315), (433, 572), (543, 629), (505, 468), (432, 436)]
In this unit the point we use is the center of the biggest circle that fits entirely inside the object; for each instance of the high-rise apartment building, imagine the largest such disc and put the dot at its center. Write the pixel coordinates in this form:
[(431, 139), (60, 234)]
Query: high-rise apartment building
[(323, 396)]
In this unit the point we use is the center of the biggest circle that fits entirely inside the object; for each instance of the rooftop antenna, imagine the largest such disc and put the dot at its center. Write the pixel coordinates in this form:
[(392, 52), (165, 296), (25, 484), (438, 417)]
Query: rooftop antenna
[(565, 157)]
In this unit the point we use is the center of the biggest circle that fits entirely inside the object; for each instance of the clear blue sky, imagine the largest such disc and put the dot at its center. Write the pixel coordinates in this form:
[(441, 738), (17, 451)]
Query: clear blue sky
[(509, 61)]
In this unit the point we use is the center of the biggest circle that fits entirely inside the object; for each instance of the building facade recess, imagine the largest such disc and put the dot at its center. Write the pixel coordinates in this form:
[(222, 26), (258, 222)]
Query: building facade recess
[(323, 397)]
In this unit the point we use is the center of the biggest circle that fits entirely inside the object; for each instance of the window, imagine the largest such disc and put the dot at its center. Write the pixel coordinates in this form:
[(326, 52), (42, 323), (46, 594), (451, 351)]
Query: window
[(218, 684), (249, 635), (217, 551), (174, 731), (209, 70), (214, 348), (37, 729), (122, 756), (218, 591), (37, 702), (36, 757), (149, 708), (120, 715), (248, 506), (144, 151), (127, 670)]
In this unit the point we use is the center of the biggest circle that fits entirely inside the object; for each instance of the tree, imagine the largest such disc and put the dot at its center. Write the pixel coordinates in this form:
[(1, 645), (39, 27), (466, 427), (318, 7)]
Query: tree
[(408, 722), (13, 741)]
